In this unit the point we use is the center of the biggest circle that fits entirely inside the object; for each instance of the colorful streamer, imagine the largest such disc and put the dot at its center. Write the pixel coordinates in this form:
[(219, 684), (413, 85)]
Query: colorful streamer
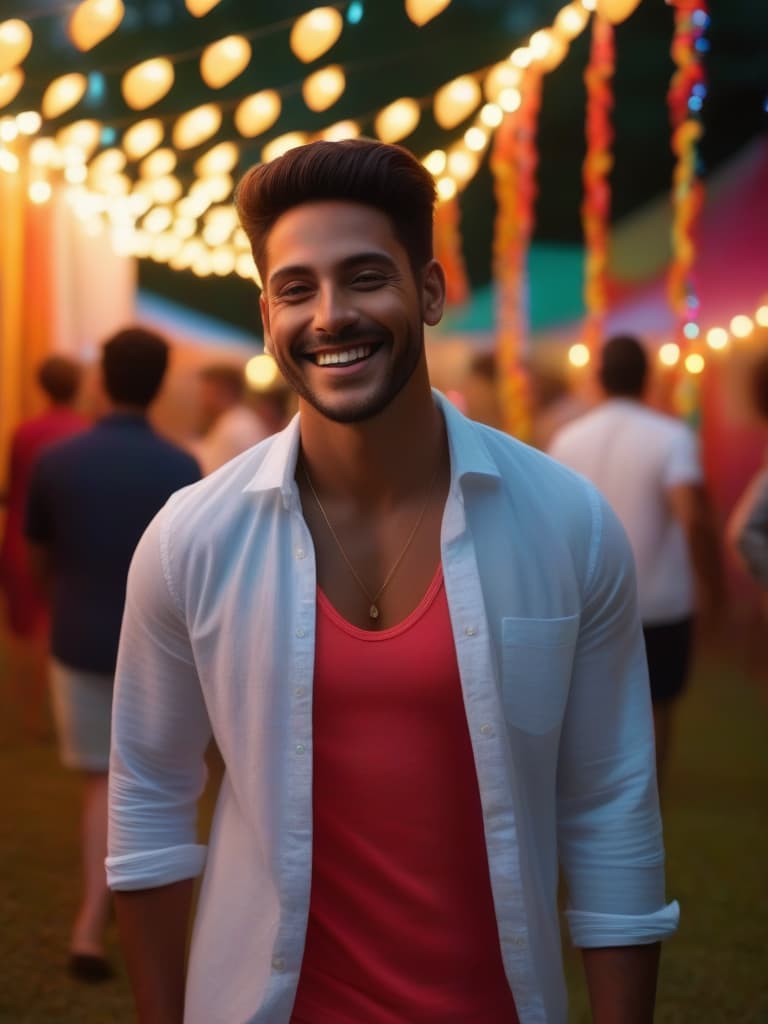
[(596, 169), (685, 98), (514, 160), (448, 250)]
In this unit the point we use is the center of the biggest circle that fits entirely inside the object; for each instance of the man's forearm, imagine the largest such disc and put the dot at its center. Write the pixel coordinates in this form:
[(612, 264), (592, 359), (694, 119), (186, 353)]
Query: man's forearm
[(622, 983), (153, 927)]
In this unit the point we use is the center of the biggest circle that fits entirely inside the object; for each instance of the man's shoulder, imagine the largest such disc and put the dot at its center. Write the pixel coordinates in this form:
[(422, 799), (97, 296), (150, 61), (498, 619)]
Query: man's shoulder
[(61, 451), (171, 452), (531, 473), (212, 506)]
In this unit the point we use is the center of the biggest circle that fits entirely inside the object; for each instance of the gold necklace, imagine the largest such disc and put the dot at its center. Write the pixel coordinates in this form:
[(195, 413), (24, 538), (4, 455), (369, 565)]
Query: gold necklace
[(373, 610)]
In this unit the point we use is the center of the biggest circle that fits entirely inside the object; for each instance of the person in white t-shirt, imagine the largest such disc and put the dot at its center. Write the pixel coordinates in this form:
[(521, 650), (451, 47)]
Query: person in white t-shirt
[(648, 467)]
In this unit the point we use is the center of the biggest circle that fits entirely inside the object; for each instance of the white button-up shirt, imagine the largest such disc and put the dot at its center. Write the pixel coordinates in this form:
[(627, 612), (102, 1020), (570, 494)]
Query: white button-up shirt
[(218, 639)]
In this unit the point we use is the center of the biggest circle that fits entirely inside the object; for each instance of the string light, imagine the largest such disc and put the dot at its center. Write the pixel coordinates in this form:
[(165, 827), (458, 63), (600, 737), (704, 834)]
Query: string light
[(29, 122), (742, 326), (144, 84), (15, 43), (717, 337), (491, 115), (94, 20), (261, 372), (39, 192), (694, 363), (578, 355), (315, 32), (10, 83), (9, 162), (422, 11), (669, 353), (9, 130), (224, 60)]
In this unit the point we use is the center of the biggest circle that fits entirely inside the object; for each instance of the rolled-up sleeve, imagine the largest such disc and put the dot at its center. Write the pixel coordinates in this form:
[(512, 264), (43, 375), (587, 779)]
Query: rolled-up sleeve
[(609, 825), (160, 731)]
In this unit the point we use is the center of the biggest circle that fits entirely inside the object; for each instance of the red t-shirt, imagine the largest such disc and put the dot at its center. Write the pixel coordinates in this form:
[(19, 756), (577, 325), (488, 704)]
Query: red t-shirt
[(27, 606), (402, 928)]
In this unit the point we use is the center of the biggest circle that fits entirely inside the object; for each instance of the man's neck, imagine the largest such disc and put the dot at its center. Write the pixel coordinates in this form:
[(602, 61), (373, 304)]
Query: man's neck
[(379, 460)]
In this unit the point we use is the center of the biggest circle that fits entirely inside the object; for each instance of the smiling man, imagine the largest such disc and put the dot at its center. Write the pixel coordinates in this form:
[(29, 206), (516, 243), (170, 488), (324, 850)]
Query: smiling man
[(416, 643)]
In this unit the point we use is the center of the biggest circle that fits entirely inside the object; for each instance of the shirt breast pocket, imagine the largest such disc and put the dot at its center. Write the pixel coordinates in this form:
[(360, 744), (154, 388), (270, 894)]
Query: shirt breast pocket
[(537, 657)]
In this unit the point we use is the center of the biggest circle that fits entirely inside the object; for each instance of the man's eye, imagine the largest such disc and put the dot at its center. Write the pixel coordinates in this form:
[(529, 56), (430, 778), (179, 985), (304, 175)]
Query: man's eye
[(368, 279), (295, 290)]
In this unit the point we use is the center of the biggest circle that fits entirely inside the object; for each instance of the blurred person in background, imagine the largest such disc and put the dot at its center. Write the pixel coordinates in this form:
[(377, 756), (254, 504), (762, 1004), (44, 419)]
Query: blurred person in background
[(479, 390), (554, 404), (90, 498), (647, 465), (747, 528), (232, 419), (59, 378)]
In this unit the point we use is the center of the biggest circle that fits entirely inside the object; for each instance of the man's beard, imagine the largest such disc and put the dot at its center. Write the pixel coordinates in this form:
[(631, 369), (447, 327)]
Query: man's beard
[(376, 401)]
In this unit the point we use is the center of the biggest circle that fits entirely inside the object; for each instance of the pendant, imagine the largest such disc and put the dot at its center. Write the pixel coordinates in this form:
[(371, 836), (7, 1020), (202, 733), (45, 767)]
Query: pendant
[(373, 611)]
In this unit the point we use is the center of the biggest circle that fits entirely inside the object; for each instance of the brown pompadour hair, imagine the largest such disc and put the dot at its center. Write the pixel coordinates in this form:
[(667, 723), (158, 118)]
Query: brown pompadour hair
[(376, 174)]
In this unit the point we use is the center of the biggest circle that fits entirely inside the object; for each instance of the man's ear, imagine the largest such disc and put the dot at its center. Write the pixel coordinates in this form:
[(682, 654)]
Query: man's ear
[(432, 293), (264, 307)]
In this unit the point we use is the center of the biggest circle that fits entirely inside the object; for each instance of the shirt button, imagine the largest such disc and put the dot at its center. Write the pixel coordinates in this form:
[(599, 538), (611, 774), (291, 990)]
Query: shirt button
[(470, 630), (299, 748), (278, 963), (486, 730), (300, 553), (299, 691), (300, 633)]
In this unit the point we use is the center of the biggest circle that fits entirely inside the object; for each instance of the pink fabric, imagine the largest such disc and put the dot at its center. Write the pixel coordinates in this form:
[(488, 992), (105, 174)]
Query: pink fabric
[(26, 605), (402, 924)]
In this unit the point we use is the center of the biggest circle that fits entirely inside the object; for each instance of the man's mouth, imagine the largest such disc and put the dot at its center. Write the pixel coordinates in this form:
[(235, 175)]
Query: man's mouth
[(343, 356)]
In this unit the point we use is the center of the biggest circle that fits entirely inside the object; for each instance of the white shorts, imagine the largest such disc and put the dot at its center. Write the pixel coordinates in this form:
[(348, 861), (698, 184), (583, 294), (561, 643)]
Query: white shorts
[(82, 710)]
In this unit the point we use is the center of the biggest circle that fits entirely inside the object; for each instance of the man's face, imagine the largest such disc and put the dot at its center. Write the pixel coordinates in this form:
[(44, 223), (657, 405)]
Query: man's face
[(343, 313)]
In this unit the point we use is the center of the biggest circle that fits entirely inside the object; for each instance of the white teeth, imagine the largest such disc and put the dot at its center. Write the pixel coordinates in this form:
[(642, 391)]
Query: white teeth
[(349, 355)]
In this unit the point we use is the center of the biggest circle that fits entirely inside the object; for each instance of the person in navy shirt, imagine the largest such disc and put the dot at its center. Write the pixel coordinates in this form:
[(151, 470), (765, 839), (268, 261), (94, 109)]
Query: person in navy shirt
[(90, 499)]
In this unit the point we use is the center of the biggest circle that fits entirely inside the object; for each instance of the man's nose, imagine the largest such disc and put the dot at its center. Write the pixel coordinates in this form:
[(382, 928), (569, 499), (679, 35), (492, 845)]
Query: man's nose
[(334, 310)]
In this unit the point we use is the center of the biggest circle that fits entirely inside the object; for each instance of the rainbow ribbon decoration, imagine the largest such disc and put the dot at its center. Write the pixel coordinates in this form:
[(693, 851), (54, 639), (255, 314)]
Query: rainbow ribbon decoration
[(685, 98), (514, 160), (448, 250), (596, 169)]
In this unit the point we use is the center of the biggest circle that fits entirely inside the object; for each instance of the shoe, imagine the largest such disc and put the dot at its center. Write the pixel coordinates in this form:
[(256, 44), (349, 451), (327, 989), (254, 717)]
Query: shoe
[(88, 967)]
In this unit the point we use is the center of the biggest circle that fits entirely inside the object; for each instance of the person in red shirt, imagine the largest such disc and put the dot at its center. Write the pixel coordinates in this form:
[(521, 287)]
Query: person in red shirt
[(26, 607)]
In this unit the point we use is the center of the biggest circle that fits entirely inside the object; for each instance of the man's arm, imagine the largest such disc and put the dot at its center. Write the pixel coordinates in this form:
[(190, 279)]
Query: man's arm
[(160, 731), (609, 825), (622, 983), (153, 926), (692, 508)]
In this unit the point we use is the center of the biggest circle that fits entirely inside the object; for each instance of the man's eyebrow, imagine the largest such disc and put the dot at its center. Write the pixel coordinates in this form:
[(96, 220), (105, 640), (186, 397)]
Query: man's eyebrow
[(348, 263)]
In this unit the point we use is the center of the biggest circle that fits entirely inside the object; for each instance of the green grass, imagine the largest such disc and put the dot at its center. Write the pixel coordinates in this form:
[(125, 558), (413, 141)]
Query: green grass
[(713, 972)]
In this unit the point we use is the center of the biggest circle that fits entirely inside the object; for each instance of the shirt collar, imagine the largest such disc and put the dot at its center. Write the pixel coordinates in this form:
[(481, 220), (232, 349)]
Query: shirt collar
[(469, 454)]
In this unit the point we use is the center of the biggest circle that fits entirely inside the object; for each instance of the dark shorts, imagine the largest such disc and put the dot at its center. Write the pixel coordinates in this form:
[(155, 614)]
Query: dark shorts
[(668, 648)]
